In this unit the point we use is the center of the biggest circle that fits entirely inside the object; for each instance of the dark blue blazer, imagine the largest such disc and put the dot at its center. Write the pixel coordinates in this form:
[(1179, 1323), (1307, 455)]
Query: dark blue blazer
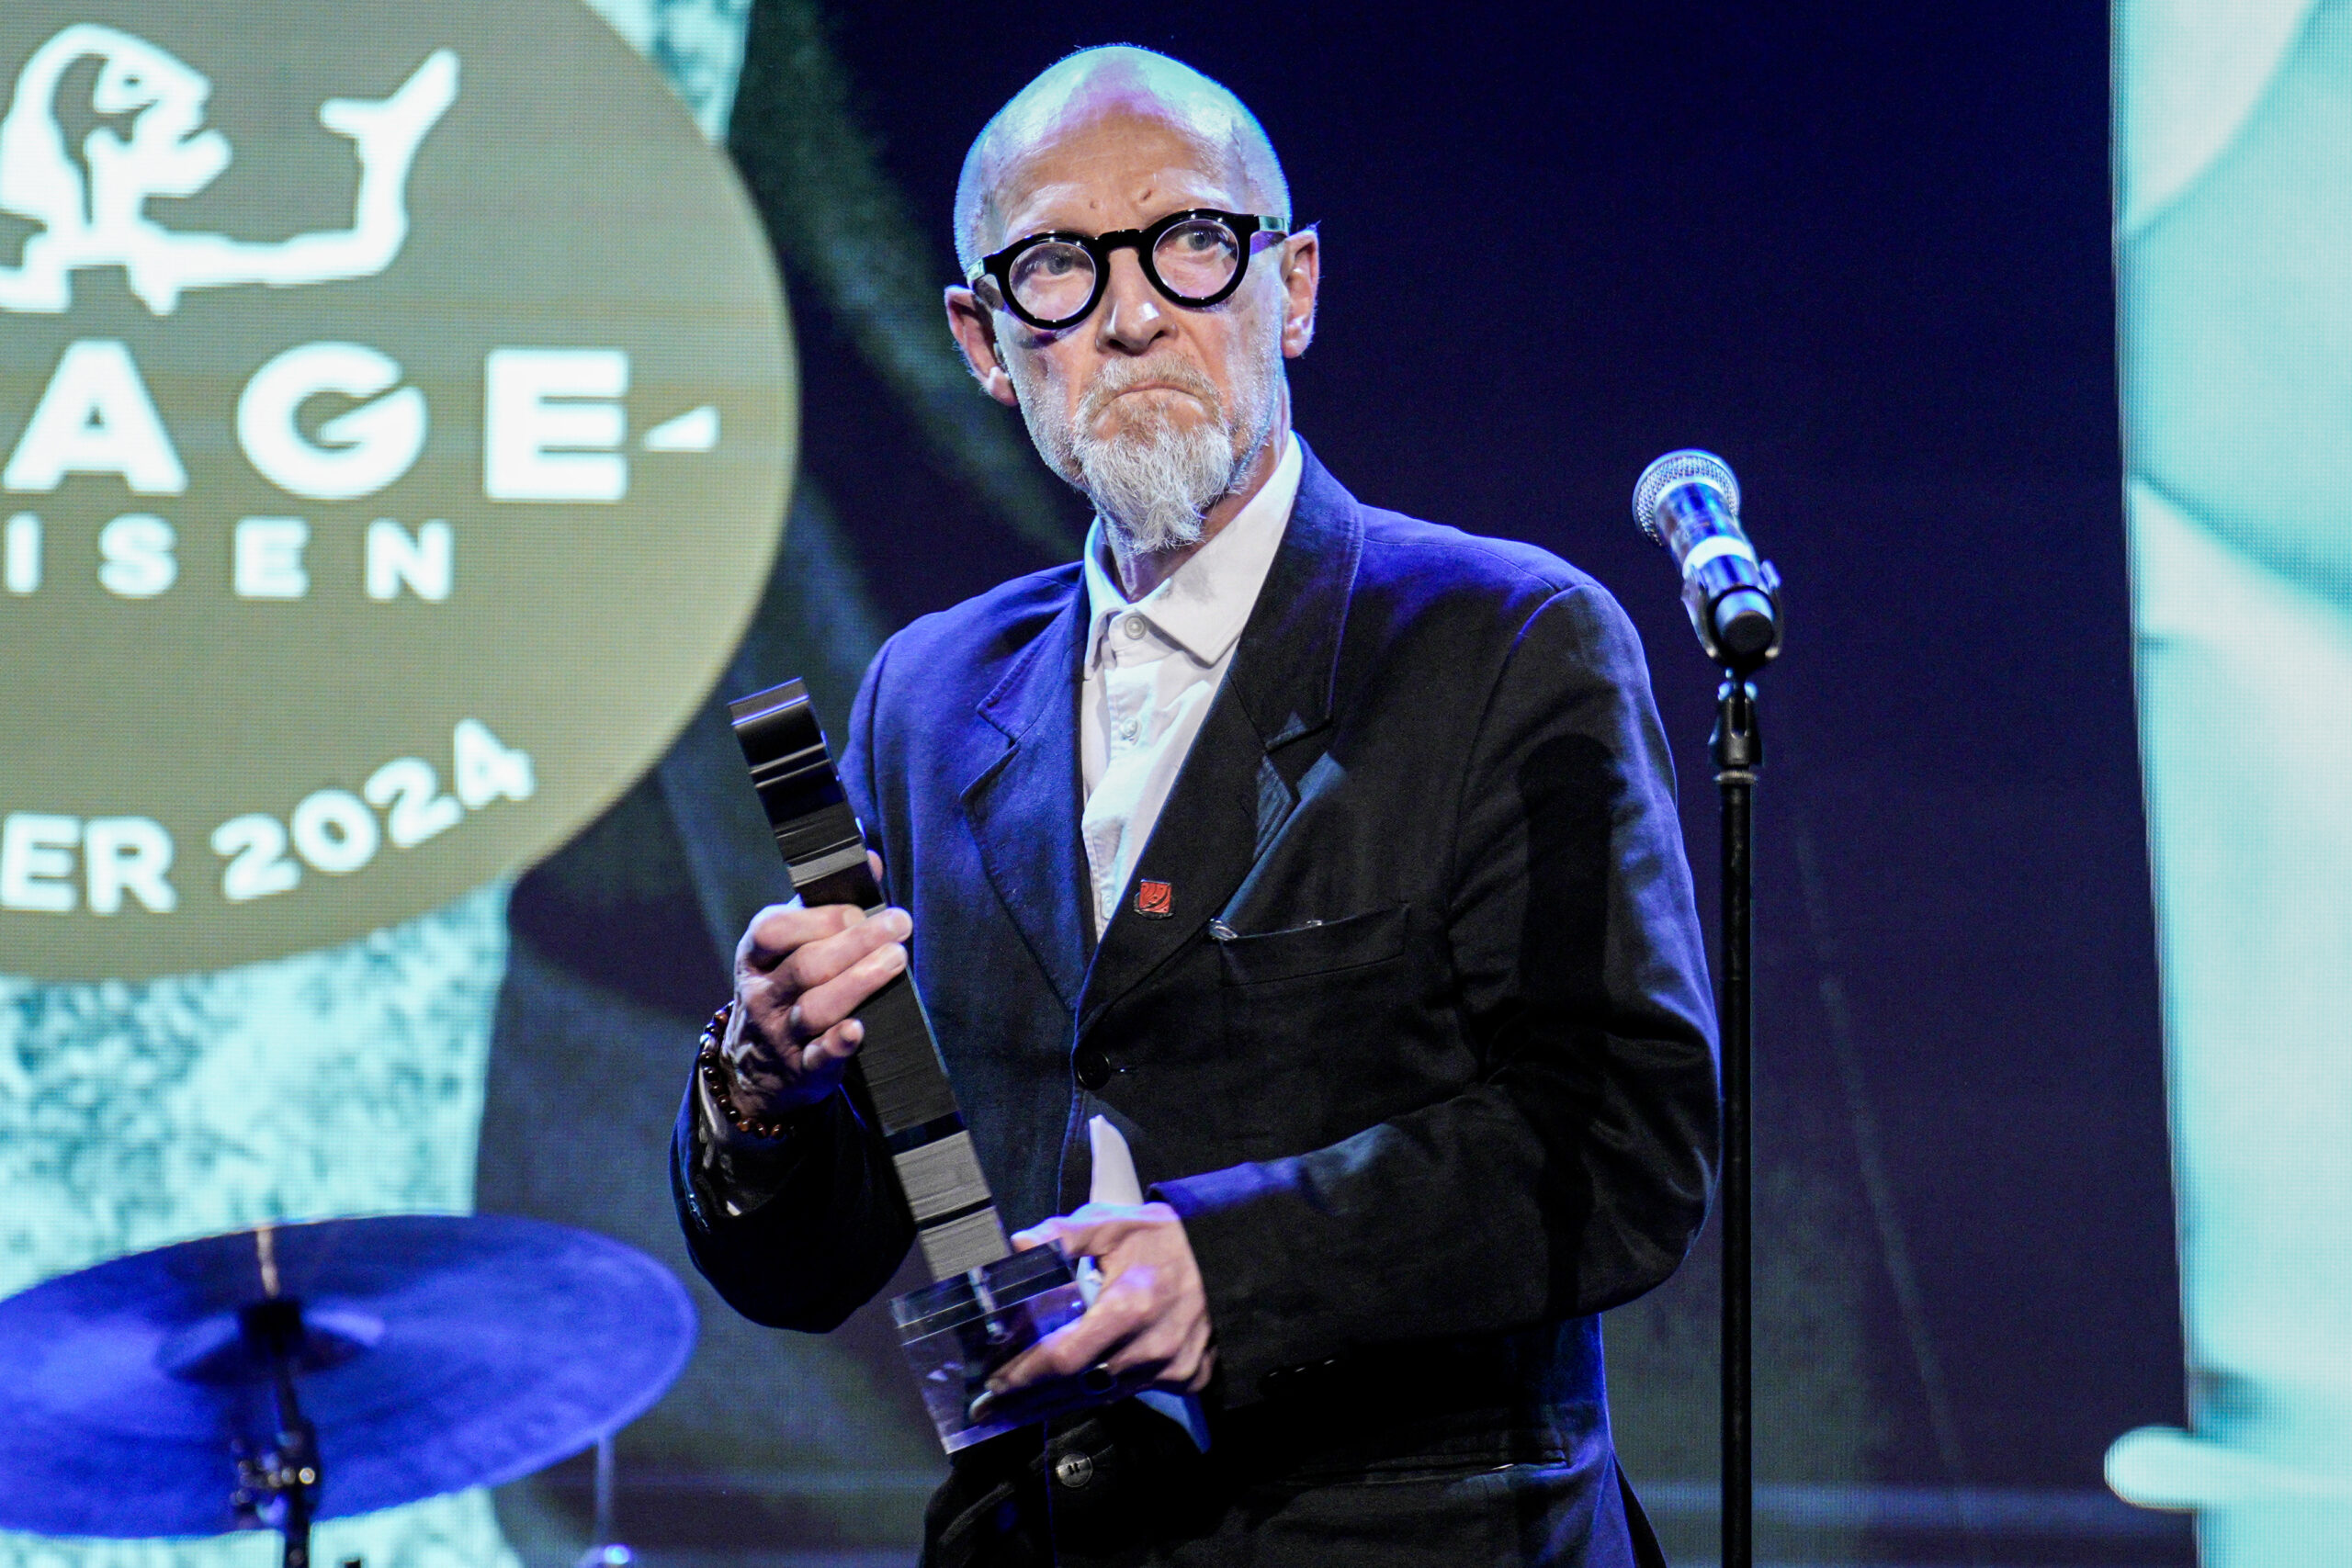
[(1448, 1088)]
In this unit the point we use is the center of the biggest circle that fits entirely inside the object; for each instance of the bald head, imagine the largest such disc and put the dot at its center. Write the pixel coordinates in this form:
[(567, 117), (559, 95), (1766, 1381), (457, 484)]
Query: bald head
[(1096, 84)]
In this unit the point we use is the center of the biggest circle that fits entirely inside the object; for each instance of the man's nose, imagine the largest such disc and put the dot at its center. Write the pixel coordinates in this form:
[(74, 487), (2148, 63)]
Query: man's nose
[(1134, 316)]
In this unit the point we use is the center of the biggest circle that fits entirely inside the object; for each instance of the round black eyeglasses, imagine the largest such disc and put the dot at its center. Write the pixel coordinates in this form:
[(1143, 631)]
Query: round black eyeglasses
[(1056, 280)]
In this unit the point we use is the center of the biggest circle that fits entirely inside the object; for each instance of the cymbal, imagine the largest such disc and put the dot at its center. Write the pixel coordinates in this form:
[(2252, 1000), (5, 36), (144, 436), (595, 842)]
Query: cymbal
[(441, 1352)]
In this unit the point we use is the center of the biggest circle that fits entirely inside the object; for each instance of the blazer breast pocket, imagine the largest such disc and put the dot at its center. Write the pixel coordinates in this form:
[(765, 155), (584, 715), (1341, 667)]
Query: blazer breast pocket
[(1319, 947)]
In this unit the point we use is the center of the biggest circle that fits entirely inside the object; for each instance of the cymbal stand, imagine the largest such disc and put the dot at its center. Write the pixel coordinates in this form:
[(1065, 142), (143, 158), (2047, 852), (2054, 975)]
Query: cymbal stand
[(278, 1487), (603, 1552)]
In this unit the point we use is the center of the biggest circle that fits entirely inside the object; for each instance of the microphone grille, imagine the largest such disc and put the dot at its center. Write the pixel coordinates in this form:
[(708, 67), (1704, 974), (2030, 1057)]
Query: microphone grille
[(1679, 468)]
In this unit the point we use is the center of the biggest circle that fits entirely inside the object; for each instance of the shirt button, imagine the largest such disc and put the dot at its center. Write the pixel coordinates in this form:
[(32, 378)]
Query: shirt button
[(1074, 1470), (1129, 730), (1093, 1067), (1132, 625)]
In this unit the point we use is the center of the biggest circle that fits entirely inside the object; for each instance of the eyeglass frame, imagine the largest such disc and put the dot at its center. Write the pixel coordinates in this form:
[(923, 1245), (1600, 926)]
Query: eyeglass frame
[(997, 266)]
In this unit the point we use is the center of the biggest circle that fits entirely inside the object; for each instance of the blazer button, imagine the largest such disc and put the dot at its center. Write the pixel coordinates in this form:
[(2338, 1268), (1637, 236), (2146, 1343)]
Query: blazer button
[(1093, 1068)]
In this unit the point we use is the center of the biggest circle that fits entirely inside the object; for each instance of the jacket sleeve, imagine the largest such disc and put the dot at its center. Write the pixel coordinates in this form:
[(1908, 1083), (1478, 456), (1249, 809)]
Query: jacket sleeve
[(827, 1239), (1574, 1172), (830, 1228)]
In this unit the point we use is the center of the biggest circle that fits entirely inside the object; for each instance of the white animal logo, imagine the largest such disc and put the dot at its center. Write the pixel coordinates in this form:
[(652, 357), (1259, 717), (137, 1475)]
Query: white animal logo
[(103, 222)]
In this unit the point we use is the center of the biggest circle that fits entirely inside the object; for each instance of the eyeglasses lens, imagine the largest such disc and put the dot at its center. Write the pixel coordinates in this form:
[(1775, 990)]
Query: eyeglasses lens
[(1197, 259), (1053, 281)]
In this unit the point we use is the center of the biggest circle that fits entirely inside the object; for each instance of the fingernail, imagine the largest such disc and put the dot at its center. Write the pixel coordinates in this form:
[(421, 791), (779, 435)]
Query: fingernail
[(996, 1386), (901, 923)]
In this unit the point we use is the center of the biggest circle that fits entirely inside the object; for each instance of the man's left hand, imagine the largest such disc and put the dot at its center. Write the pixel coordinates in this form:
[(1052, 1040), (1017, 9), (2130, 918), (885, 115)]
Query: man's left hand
[(1148, 1326)]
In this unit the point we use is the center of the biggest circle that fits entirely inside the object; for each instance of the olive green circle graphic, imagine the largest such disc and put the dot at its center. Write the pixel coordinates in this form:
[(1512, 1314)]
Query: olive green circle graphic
[(397, 416)]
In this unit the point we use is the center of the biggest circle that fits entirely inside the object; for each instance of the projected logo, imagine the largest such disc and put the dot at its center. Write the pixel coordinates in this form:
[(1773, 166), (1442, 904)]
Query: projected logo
[(395, 427), (101, 218)]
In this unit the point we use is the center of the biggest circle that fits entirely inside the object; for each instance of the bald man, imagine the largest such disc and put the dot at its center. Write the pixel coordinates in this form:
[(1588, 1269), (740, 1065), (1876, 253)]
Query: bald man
[(1319, 863)]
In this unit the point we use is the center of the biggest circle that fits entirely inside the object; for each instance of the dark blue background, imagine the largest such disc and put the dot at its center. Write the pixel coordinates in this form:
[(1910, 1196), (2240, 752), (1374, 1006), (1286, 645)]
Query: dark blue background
[(1862, 252)]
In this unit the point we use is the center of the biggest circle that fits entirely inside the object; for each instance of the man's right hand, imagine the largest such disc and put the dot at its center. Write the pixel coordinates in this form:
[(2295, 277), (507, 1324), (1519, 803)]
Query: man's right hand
[(799, 976)]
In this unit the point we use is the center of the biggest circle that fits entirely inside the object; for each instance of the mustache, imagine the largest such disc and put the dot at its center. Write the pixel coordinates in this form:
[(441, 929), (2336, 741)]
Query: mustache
[(1123, 375)]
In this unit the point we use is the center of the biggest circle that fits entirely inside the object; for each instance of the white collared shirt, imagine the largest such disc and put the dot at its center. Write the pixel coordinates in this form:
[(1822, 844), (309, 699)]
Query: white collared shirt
[(1152, 669)]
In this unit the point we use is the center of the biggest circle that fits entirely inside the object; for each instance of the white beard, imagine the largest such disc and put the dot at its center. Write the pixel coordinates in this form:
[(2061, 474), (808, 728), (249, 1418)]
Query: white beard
[(1152, 483), (1154, 480)]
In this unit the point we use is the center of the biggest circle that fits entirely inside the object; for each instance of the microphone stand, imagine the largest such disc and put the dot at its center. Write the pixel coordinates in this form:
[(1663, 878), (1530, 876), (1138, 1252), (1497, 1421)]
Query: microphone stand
[(1688, 502), (1738, 748)]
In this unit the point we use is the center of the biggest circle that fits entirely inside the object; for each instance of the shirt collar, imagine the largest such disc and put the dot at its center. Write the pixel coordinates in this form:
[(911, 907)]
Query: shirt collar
[(1204, 605)]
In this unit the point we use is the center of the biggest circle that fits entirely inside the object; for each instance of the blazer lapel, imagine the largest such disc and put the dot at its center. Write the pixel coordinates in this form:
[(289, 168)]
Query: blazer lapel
[(1022, 805), (1231, 796)]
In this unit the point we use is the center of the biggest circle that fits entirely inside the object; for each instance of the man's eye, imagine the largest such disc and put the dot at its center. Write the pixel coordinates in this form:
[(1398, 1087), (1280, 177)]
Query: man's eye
[(1051, 261)]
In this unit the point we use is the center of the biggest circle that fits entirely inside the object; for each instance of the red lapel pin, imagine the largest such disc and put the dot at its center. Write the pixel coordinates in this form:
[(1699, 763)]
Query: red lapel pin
[(1155, 901)]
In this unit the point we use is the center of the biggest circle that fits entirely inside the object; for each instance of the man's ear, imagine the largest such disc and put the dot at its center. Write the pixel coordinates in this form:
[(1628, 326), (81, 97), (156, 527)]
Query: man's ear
[(973, 326), (1302, 259)]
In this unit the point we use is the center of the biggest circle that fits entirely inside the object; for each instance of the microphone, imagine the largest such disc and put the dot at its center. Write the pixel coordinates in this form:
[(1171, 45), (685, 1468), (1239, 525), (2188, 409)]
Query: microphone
[(1688, 502)]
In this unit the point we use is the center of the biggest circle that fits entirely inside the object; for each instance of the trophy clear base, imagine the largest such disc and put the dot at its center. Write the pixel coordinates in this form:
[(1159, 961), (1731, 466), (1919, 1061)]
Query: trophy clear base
[(959, 1331)]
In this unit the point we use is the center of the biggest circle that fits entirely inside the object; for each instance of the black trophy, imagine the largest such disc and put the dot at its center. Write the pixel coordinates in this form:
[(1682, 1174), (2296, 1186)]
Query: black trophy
[(990, 1303)]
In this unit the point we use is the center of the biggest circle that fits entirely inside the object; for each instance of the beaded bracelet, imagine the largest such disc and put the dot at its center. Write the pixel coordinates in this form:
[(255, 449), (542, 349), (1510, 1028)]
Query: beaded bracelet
[(709, 1064)]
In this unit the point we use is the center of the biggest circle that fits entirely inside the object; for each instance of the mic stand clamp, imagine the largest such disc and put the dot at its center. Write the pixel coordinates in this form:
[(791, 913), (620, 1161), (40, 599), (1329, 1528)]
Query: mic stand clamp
[(1714, 605)]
